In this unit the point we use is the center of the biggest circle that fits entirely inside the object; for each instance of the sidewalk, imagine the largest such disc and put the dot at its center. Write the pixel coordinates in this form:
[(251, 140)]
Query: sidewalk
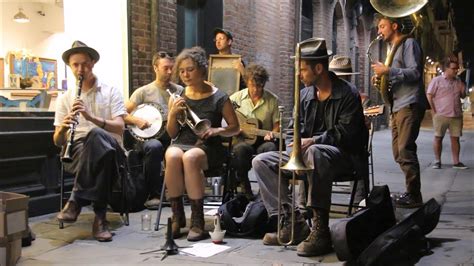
[(452, 240)]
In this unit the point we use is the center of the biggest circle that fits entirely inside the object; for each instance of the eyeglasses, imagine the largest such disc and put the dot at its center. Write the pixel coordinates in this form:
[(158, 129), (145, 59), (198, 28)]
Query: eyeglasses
[(165, 54)]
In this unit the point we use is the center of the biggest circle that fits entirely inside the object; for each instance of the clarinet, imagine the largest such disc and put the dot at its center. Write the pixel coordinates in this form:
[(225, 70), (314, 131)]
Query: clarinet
[(67, 158)]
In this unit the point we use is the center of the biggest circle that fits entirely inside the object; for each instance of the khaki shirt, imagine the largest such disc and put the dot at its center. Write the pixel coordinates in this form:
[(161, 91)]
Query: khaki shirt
[(266, 110)]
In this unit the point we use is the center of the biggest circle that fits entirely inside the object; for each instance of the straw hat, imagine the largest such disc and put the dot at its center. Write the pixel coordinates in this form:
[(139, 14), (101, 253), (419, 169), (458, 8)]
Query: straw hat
[(341, 66)]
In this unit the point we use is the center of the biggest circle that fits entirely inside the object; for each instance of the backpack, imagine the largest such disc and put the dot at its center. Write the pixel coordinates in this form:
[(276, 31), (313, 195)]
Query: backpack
[(135, 185), (244, 218)]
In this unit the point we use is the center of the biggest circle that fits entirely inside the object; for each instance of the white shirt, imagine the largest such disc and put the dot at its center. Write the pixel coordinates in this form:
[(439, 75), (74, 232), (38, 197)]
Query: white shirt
[(102, 101)]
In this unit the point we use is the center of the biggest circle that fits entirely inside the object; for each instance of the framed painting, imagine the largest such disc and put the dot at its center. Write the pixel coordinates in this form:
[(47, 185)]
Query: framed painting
[(223, 72), (2, 72), (38, 72)]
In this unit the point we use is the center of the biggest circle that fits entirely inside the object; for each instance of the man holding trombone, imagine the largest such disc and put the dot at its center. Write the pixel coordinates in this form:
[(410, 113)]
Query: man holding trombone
[(333, 143)]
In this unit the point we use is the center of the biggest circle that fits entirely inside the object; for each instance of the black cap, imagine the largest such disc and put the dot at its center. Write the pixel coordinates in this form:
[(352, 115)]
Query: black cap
[(223, 31)]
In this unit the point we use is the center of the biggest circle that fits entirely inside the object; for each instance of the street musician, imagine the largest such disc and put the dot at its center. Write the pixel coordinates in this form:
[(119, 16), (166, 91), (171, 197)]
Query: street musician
[(152, 150), (333, 143), (257, 110), (97, 116)]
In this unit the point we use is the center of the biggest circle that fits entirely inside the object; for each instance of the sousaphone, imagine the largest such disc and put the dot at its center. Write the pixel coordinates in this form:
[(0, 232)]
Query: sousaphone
[(394, 9)]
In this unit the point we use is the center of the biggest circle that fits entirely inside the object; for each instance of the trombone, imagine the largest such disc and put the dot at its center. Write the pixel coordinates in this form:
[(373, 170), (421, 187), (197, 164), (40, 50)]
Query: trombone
[(296, 162), (197, 125)]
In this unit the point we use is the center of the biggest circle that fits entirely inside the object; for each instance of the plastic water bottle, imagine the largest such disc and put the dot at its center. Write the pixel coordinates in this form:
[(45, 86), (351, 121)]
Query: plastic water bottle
[(215, 189)]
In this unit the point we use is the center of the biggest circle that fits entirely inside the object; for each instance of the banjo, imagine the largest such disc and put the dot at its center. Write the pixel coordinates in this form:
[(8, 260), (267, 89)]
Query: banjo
[(155, 115)]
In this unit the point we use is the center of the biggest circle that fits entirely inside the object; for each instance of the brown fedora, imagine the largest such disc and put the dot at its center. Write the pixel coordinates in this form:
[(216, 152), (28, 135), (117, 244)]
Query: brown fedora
[(80, 47), (314, 48), (341, 66)]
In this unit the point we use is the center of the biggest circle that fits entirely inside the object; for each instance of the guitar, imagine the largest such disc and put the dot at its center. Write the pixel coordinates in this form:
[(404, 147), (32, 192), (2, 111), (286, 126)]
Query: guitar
[(251, 130), (373, 111)]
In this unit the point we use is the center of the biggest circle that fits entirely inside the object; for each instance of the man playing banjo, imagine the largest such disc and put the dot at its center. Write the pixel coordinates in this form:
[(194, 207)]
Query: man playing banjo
[(152, 149)]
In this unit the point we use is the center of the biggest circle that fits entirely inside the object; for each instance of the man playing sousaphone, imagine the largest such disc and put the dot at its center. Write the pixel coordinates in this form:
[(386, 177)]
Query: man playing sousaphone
[(333, 143), (254, 105), (408, 104), (153, 149)]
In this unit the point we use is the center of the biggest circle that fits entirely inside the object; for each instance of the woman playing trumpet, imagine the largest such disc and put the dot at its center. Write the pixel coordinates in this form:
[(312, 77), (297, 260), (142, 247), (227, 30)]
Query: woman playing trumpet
[(192, 152)]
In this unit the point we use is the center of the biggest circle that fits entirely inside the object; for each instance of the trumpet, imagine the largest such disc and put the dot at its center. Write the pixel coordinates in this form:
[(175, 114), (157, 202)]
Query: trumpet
[(67, 156), (197, 125), (296, 162)]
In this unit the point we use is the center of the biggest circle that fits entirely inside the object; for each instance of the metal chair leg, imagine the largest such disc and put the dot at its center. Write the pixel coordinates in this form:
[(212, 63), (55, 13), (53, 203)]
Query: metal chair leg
[(61, 194), (160, 207)]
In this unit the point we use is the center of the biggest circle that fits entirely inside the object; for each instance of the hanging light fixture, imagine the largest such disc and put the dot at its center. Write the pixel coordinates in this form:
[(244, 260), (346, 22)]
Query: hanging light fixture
[(20, 17)]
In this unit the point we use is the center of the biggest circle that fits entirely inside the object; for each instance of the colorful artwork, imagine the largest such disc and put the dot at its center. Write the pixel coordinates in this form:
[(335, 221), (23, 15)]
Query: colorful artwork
[(41, 72), (1, 73)]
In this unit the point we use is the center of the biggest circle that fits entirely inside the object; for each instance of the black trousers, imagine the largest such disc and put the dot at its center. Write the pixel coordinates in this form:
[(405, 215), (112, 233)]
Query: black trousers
[(97, 160)]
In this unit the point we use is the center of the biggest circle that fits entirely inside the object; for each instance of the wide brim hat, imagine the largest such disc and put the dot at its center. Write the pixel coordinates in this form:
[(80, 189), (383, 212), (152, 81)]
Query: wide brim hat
[(80, 47), (223, 31), (314, 48), (341, 66)]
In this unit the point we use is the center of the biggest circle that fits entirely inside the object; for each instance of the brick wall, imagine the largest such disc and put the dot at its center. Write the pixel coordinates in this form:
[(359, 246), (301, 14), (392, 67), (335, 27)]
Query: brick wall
[(141, 43), (264, 33), (167, 26), (153, 28)]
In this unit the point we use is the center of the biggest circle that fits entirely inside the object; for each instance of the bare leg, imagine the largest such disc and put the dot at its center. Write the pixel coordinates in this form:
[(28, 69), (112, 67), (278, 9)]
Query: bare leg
[(194, 161), (455, 148), (438, 148), (174, 177)]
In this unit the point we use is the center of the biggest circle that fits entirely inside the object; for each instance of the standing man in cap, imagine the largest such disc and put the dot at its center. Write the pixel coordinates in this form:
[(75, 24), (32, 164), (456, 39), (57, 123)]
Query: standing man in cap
[(96, 152), (333, 143), (408, 105), (152, 150), (223, 40)]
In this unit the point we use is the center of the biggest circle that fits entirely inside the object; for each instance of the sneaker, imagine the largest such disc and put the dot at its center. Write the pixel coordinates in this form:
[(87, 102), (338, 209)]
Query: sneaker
[(436, 165), (409, 200), (460, 166)]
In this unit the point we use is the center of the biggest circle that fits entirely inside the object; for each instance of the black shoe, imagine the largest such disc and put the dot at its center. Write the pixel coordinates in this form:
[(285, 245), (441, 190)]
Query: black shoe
[(409, 200)]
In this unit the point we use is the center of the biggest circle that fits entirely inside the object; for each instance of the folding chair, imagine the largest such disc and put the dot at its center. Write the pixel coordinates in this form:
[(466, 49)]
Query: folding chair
[(64, 196)]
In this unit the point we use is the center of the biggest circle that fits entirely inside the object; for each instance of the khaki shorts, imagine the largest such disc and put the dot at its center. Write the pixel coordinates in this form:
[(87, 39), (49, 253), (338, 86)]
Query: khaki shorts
[(442, 123)]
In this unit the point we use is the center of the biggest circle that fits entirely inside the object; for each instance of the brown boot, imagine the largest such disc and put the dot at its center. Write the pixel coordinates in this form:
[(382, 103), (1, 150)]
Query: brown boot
[(319, 241), (179, 218), (196, 232), (301, 231), (100, 229), (69, 213)]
